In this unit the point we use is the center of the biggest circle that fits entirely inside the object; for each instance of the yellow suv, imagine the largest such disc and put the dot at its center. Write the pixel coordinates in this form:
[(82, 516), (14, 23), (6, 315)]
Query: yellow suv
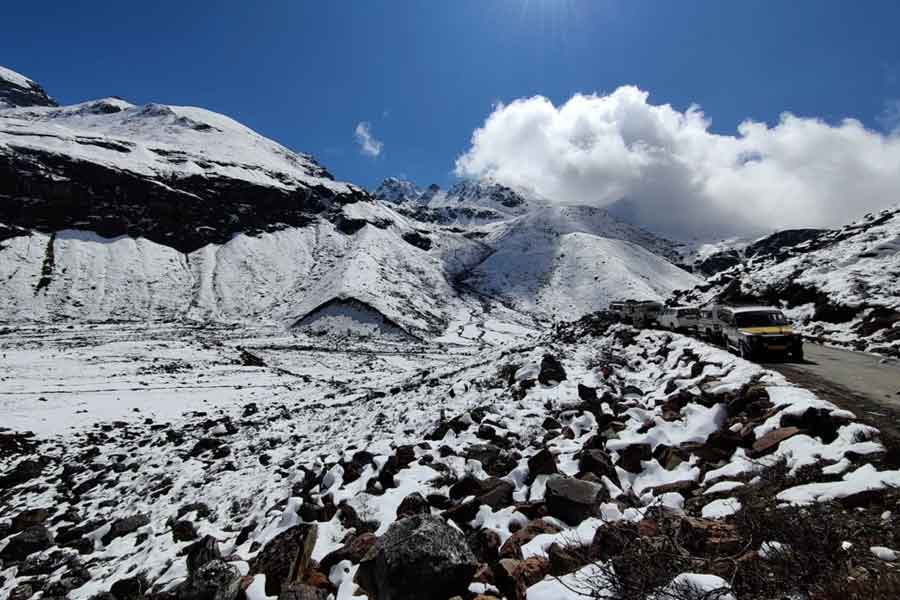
[(753, 331)]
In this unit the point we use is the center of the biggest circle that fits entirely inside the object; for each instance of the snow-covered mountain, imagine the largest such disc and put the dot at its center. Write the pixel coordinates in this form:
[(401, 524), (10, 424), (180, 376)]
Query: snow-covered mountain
[(842, 284), (113, 211), (465, 203), (567, 261), (18, 90)]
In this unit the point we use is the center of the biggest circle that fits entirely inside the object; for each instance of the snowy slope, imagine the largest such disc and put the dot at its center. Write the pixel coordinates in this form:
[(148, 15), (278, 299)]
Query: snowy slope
[(272, 277), (568, 261), (843, 284)]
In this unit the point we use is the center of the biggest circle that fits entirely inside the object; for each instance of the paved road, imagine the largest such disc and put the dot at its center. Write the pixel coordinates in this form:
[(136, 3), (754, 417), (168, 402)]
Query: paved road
[(862, 383)]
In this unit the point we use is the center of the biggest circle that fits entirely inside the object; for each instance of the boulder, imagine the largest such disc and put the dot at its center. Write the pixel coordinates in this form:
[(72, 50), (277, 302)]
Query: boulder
[(418, 558), (572, 500), (28, 518), (286, 557), (552, 371), (33, 539)]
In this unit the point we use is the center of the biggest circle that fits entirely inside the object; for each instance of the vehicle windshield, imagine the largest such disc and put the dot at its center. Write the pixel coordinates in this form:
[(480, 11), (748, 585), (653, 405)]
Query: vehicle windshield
[(759, 319), (689, 313)]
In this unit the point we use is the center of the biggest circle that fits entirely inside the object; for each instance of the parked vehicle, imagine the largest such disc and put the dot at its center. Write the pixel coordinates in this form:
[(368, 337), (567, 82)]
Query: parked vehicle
[(759, 330), (679, 318), (708, 323), (641, 313)]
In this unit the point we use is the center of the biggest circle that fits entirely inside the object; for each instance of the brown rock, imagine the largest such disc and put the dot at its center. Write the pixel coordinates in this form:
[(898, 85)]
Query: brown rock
[(354, 551), (631, 456), (564, 560), (513, 546), (684, 488), (533, 569), (508, 579), (612, 539), (709, 537), (769, 442), (286, 557)]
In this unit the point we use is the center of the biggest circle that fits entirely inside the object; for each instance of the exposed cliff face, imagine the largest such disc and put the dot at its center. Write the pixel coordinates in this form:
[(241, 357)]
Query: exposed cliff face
[(181, 177), (18, 90)]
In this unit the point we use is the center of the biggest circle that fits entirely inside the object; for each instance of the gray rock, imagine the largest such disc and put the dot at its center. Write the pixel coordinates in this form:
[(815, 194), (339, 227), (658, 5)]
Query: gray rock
[(572, 500), (216, 580), (33, 539), (418, 558), (125, 526)]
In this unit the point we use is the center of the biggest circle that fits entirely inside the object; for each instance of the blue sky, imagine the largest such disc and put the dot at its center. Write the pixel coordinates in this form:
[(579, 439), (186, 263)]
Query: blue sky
[(426, 73)]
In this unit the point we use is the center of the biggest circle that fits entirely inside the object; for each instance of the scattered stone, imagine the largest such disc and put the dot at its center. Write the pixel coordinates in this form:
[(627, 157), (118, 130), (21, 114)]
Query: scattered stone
[(493, 459), (418, 558)]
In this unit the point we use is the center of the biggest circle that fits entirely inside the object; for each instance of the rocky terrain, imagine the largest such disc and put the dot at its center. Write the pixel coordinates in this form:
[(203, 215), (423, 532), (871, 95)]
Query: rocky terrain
[(839, 285), (593, 460)]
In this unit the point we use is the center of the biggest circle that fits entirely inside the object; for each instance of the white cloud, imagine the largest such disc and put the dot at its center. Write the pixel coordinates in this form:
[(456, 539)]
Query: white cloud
[(667, 171), (368, 145)]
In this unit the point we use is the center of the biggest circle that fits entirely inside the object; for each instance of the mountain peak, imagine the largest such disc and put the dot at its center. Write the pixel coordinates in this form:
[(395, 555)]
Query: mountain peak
[(17, 90)]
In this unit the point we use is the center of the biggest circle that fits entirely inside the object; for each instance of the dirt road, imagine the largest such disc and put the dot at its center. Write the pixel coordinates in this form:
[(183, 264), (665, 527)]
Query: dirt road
[(858, 382)]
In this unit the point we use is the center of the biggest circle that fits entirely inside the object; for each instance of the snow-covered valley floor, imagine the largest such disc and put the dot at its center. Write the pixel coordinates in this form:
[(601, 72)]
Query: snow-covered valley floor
[(149, 438)]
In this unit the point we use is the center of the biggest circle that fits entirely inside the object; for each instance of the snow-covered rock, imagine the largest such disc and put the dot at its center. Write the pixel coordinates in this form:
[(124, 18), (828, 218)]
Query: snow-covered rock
[(18, 90)]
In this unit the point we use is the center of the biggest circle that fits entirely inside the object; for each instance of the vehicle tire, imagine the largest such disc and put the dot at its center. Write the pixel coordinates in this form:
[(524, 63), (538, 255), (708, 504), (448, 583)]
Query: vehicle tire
[(744, 351), (797, 353)]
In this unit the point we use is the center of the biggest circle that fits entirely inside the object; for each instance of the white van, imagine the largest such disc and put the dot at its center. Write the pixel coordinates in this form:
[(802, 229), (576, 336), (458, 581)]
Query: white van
[(679, 318), (641, 313)]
